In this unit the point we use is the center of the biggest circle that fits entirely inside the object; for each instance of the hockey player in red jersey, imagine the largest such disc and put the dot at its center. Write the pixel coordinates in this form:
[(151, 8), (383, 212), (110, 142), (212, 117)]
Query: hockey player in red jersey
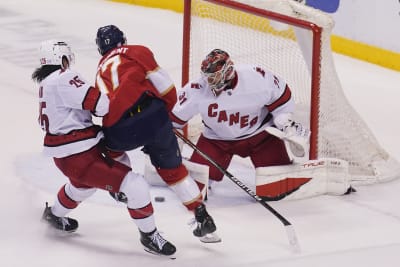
[(67, 103), (141, 96)]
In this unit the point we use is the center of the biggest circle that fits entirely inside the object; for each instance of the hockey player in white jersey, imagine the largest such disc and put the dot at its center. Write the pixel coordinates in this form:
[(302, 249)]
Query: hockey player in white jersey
[(67, 103), (237, 103)]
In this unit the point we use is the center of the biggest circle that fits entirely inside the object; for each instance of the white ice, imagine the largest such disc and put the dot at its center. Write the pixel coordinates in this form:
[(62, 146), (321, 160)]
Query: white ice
[(362, 229)]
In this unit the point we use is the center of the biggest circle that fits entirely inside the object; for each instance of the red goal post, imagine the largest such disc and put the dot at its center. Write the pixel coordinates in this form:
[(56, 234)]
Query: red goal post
[(293, 41)]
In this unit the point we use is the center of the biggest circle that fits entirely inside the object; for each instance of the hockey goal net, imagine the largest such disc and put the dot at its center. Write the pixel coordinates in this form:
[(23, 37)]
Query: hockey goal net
[(293, 41)]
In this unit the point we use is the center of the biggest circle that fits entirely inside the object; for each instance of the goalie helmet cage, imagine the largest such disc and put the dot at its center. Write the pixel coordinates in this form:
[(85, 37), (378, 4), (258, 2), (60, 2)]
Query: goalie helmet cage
[(293, 41)]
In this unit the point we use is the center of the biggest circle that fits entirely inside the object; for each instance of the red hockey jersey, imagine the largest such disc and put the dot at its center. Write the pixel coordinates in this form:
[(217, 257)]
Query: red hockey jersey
[(125, 73)]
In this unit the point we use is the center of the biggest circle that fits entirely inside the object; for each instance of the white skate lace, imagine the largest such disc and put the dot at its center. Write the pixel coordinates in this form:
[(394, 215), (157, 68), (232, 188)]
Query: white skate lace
[(157, 239)]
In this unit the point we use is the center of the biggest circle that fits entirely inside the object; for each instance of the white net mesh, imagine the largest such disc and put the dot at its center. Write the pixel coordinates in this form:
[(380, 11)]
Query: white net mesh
[(287, 51)]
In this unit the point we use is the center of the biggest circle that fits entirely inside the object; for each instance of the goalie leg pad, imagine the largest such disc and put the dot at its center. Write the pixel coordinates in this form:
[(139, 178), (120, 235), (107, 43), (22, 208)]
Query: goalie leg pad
[(299, 181)]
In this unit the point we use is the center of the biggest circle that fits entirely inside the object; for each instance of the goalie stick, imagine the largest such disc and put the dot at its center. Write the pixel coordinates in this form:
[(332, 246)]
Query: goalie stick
[(293, 241)]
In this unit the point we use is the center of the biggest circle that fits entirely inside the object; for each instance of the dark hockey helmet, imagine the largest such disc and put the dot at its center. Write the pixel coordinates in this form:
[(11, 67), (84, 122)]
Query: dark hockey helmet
[(217, 68), (109, 37)]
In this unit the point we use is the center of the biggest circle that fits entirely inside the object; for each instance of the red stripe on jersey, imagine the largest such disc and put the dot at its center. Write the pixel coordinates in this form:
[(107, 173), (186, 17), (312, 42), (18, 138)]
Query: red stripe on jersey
[(285, 97), (175, 119), (65, 200), (142, 213), (51, 140), (173, 176), (91, 99)]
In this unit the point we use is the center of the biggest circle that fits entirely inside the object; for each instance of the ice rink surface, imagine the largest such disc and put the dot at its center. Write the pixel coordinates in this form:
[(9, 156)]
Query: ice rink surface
[(362, 229)]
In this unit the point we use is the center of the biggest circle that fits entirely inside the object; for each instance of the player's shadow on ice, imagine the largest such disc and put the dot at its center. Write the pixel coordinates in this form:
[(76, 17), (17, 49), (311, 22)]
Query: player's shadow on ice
[(113, 246)]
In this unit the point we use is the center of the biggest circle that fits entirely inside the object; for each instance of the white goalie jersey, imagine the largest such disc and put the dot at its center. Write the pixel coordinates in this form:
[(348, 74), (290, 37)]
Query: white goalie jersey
[(236, 113), (249, 108)]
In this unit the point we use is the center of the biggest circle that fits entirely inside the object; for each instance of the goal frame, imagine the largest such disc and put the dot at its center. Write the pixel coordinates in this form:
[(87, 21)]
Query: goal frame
[(315, 61)]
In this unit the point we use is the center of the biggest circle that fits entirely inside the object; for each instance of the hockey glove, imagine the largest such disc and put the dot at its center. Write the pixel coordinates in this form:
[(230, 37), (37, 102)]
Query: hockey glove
[(295, 135), (293, 128)]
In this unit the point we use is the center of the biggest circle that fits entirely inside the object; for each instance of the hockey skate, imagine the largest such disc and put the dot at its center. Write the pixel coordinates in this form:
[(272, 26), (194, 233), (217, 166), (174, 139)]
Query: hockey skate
[(63, 224), (154, 243), (205, 228)]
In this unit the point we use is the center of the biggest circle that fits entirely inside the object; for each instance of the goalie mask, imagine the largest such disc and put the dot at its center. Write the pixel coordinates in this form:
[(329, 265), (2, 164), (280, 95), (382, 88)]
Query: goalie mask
[(52, 52), (217, 69), (109, 37)]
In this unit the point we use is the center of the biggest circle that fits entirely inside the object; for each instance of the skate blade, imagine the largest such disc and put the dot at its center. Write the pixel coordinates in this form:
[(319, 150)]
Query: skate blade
[(54, 233), (172, 257), (210, 238), (52, 230)]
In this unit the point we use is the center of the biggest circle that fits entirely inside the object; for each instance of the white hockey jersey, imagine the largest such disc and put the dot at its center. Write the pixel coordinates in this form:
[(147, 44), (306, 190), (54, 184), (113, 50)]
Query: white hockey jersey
[(66, 105), (237, 113)]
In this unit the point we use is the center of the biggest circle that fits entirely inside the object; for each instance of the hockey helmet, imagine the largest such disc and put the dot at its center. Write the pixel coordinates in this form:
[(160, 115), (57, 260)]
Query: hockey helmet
[(52, 52), (109, 37), (217, 68)]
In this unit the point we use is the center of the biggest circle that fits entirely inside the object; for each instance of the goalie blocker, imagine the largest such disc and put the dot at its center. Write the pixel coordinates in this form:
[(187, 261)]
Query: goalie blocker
[(298, 181)]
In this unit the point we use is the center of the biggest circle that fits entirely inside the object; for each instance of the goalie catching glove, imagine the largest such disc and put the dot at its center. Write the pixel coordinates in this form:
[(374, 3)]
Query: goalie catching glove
[(289, 127), (293, 133), (295, 129)]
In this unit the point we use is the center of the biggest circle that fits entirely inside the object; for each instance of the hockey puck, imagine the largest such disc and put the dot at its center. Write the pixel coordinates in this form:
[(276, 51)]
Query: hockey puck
[(159, 199)]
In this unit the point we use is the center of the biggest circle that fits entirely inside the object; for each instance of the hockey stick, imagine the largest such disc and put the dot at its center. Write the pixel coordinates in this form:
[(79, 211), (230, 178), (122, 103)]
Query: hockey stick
[(293, 241)]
